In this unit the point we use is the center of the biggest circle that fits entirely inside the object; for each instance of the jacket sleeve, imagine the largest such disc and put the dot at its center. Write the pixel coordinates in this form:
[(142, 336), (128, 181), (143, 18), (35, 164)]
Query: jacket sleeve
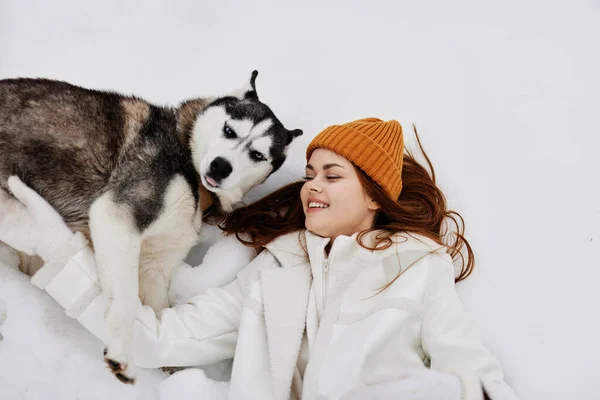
[(451, 340), (201, 331)]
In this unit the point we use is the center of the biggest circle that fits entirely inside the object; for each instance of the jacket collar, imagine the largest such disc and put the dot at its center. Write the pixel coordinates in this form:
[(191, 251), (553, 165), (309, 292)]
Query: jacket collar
[(285, 320), (285, 299), (289, 249)]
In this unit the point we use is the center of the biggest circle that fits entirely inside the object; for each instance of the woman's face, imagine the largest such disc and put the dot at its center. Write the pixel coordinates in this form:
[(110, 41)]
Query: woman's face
[(333, 198)]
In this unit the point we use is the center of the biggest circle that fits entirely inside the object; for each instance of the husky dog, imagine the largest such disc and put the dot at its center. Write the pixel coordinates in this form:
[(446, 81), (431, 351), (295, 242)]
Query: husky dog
[(138, 176)]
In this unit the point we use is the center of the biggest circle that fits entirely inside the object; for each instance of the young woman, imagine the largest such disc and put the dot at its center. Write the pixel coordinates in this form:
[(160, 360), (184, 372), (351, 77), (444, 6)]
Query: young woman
[(351, 296)]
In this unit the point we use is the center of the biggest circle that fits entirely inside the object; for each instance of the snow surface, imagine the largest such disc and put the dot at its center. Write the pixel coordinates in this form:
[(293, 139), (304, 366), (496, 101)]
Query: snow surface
[(505, 96)]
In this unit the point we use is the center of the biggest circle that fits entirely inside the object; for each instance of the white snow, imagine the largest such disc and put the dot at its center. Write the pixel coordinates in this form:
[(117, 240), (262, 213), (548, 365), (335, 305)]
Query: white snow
[(505, 96)]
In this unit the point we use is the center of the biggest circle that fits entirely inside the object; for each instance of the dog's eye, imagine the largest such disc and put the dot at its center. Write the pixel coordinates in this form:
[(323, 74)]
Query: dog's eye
[(228, 132), (257, 156)]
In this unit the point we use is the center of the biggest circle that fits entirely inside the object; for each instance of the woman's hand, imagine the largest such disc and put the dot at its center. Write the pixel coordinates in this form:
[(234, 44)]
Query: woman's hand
[(28, 223)]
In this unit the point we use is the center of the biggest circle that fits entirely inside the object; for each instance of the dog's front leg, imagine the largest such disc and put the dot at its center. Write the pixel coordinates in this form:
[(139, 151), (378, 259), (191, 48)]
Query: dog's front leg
[(117, 243), (158, 260)]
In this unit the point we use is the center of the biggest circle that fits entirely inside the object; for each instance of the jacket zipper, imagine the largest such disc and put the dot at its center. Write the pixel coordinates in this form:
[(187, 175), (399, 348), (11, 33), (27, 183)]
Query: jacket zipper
[(325, 282)]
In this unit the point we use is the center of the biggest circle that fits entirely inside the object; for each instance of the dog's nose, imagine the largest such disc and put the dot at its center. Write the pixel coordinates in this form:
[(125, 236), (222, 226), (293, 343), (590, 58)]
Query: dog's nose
[(219, 169)]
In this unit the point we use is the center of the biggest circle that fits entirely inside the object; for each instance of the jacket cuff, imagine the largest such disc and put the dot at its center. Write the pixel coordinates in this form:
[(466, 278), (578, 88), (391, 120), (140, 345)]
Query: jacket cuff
[(70, 277), (62, 257)]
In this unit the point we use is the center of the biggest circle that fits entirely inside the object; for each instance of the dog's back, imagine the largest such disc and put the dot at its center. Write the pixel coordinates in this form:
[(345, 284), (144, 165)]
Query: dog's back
[(65, 141)]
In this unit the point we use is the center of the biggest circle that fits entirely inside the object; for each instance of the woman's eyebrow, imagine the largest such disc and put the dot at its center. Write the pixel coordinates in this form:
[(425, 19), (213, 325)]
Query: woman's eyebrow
[(326, 166)]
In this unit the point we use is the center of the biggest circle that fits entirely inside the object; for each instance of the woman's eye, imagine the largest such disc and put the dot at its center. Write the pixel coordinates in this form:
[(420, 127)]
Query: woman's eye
[(228, 132), (309, 178)]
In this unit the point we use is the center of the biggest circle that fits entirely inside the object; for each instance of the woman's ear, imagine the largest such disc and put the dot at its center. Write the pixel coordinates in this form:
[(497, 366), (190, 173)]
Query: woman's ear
[(373, 205)]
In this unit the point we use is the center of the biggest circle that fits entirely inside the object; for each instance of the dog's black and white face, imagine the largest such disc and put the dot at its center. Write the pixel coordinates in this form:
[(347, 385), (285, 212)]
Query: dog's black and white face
[(237, 142)]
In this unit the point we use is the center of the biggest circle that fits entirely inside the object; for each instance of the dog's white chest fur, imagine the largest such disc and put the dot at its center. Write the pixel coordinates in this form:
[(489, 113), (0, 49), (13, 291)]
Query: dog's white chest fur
[(180, 219), (162, 245), (167, 241)]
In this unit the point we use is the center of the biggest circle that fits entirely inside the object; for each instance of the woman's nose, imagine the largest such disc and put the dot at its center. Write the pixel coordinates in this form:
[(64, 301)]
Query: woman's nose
[(313, 186)]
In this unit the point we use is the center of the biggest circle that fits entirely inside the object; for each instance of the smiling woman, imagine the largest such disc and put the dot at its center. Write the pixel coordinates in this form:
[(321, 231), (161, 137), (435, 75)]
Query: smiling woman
[(360, 183)]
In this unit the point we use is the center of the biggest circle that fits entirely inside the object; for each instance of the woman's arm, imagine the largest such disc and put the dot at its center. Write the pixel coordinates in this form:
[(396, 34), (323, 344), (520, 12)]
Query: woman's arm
[(201, 331), (452, 341)]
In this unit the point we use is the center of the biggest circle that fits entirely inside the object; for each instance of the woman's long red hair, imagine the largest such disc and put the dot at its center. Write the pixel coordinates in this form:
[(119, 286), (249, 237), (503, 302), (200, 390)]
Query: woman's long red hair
[(420, 209)]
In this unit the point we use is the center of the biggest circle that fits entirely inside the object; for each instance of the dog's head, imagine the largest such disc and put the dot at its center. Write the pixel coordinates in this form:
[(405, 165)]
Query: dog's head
[(237, 142)]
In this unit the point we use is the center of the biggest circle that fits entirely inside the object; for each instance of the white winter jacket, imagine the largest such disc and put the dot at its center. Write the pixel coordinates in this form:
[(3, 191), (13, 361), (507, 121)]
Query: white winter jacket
[(260, 318)]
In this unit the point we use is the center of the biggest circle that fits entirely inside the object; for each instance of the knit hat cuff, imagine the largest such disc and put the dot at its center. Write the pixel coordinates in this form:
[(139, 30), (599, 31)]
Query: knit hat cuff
[(372, 158)]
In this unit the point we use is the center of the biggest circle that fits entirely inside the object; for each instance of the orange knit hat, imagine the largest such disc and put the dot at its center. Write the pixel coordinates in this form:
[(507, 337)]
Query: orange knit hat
[(373, 145)]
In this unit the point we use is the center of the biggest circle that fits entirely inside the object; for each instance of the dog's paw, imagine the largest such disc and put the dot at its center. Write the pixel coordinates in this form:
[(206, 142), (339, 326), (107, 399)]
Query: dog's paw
[(171, 370), (120, 368)]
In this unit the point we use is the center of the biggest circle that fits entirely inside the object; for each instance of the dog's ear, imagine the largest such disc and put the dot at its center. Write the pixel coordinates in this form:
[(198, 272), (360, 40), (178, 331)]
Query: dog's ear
[(252, 94), (291, 135), (248, 90)]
